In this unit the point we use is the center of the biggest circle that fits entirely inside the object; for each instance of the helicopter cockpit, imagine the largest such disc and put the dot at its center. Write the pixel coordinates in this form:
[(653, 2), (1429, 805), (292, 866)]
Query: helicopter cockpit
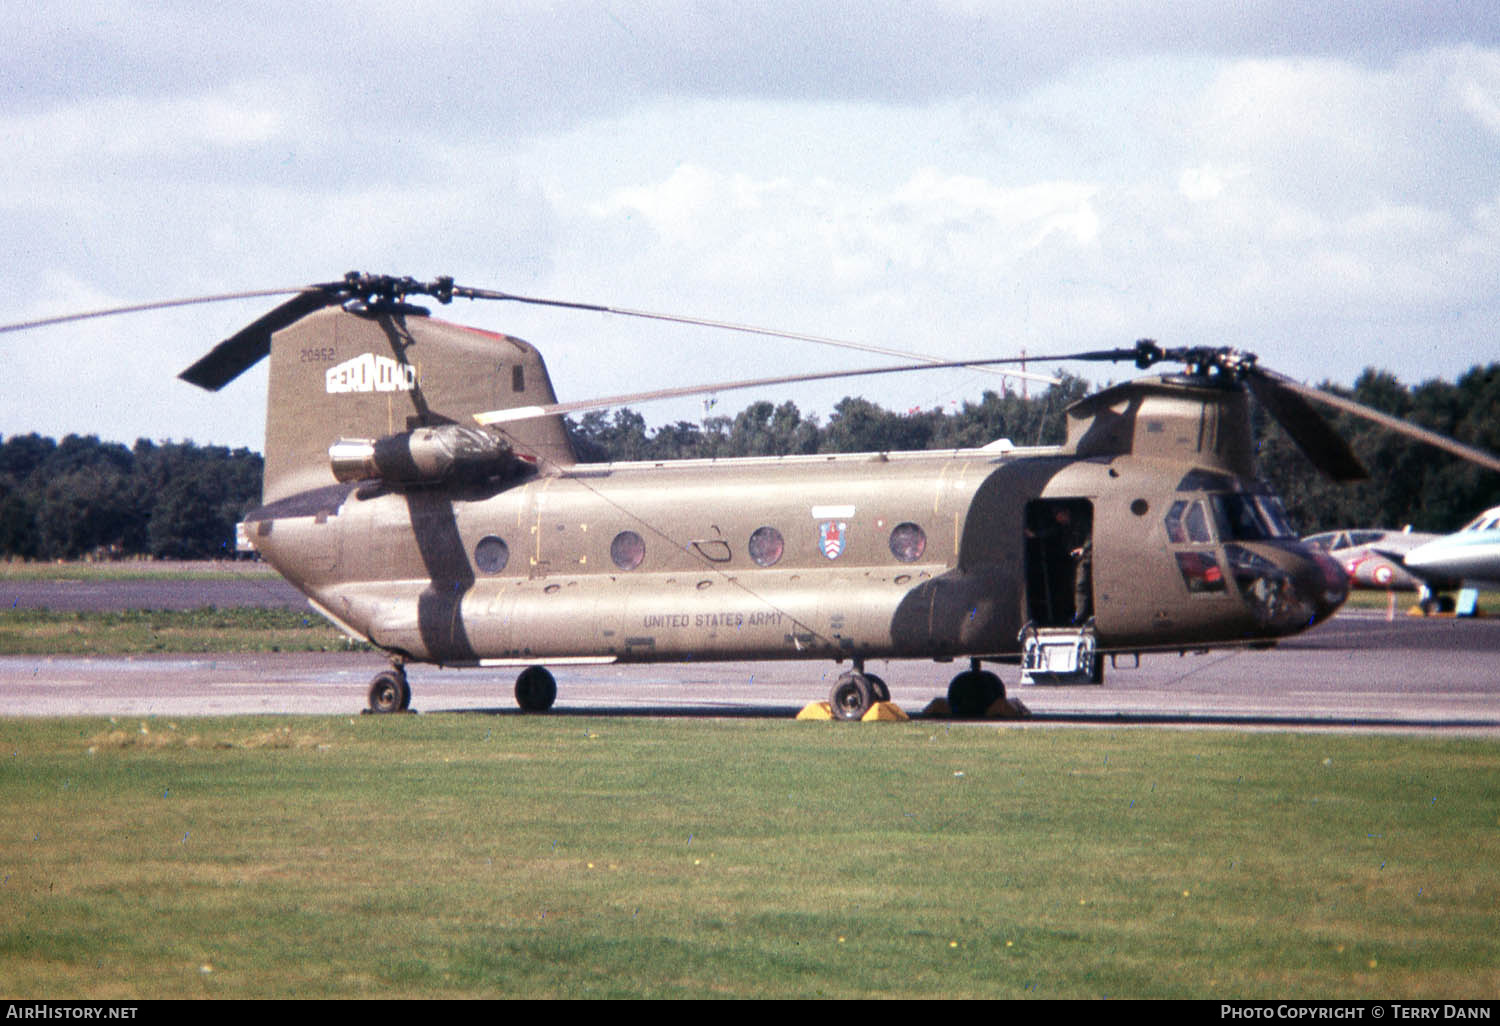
[(1228, 532)]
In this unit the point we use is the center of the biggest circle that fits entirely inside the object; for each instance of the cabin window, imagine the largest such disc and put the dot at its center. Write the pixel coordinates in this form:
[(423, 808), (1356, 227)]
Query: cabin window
[(767, 546), (518, 378), (627, 550), (491, 554), (908, 542)]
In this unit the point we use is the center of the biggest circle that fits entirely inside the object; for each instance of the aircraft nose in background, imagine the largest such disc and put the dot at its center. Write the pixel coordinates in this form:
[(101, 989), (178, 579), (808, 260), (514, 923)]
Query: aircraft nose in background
[(1432, 556)]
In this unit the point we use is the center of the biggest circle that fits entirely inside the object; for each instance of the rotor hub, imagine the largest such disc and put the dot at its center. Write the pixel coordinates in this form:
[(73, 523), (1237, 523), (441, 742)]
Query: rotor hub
[(1200, 361)]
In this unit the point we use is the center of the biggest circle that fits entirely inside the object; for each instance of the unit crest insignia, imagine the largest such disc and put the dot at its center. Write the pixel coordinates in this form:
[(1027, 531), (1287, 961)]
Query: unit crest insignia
[(832, 536)]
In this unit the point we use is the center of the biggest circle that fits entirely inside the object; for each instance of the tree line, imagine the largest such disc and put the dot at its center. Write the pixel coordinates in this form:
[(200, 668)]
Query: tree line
[(85, 498), (855, 425), (1410, 483)]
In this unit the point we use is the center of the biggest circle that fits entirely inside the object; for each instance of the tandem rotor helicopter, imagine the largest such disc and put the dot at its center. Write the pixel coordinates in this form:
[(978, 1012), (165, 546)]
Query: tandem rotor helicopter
[(421, 490)]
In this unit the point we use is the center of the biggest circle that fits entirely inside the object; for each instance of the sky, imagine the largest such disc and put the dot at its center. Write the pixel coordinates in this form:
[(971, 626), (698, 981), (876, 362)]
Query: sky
[(1316, 183)]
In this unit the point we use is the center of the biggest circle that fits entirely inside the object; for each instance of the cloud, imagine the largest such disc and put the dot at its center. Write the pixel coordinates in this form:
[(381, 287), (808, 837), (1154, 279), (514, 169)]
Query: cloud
[(540, 62), (945, 176), (1475, 80)]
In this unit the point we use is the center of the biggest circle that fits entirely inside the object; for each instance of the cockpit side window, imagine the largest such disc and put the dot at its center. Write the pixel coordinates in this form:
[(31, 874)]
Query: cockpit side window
[(1197, 524), (1200, 572), (1176, 532), (1274, 514), (1249, 517), (1187, 522), (1205, 481)]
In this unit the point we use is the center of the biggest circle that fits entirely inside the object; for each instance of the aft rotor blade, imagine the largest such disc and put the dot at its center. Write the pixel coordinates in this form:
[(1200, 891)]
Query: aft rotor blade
[(252, 343), (1324, 446), (161, 304), (750, 329), (245, 348), (581, 405), (1468, 452)]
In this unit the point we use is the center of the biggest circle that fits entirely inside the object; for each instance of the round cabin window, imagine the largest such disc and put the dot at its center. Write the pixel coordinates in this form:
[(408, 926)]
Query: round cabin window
[(627, 550), (491, 554), (908, 542), (767, 546)]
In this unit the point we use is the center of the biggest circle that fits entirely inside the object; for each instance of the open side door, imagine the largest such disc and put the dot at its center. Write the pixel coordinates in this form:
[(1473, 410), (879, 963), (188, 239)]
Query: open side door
[(1059, 561)]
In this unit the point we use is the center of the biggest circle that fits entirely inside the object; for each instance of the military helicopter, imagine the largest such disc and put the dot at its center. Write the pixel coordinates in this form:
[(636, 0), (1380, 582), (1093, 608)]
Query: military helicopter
[(421, 490)]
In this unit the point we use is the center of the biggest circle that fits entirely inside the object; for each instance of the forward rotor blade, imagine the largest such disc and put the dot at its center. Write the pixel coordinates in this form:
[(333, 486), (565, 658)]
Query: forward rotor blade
[(472, 293), (528, 412), (1475, 455), (1324, 446), (252, 343)]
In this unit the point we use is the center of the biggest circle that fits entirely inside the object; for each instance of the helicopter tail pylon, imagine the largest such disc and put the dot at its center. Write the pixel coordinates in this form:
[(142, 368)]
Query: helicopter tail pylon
[(355, 368)]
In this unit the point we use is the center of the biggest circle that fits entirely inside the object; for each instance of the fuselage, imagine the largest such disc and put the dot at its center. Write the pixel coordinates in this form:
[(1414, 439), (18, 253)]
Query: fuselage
[(893, 555)]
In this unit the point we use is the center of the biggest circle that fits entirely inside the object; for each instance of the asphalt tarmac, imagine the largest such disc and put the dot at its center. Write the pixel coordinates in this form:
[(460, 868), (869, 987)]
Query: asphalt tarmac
[(225, 589), (1357, 672)]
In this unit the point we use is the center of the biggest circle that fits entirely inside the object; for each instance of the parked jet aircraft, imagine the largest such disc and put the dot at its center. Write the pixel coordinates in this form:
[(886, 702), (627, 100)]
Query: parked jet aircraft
[(1470, 554), (1373, 557)]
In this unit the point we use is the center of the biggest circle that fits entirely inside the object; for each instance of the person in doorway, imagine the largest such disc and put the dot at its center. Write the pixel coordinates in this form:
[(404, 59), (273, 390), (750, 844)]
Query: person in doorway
[(1057, 534), (1083, 581)]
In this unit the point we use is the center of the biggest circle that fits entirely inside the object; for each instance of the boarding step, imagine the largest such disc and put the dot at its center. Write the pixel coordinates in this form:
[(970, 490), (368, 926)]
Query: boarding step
[(1060, 655)]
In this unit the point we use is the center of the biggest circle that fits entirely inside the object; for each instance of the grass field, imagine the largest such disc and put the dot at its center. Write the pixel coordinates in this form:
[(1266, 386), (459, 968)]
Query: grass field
[(135, 569), (463, 856), (1489, 601), (134, 631)]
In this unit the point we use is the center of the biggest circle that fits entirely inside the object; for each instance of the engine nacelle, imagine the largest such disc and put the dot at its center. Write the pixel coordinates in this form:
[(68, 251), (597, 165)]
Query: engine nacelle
[(428, 455)]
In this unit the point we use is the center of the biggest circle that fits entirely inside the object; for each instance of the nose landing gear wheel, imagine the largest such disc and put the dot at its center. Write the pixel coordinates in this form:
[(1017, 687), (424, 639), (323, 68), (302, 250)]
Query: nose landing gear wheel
[(389, 692)]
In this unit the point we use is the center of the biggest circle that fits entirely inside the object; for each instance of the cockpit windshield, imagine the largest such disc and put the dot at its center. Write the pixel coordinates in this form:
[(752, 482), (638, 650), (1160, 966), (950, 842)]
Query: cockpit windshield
[(1245, 516)]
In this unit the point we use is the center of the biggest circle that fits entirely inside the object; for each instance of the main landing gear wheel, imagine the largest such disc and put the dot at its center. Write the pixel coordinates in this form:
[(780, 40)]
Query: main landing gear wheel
[(972, 692), (852, 695), (389, 692), (536, 689), (877, 686)]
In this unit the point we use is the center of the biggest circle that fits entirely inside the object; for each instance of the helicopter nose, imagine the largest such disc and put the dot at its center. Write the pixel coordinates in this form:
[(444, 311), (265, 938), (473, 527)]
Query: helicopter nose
[(1325, 584), (1288, 587)]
